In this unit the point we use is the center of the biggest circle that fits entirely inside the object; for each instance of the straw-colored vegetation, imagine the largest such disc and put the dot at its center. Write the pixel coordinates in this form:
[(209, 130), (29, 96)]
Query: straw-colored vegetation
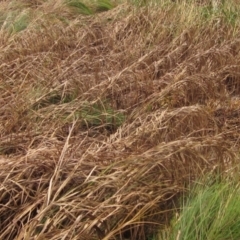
[(109, 109)]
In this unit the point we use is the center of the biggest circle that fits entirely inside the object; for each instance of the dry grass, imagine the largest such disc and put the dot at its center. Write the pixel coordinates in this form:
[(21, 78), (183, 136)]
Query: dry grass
[(106, 118)]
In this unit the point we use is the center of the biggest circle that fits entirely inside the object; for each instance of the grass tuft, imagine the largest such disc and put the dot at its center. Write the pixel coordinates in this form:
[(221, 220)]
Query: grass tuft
[(104, 5), (213, 207), (79, 7)]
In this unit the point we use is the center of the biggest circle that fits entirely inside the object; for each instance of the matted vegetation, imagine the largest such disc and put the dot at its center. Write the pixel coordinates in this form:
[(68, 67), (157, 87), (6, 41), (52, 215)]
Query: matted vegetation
[(107, 116)]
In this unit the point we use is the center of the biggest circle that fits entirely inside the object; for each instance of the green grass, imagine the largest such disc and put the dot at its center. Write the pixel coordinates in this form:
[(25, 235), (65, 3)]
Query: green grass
[(104, 5), (100, 114), (89, 7), (15, 21), (79, 7), (210, 212)]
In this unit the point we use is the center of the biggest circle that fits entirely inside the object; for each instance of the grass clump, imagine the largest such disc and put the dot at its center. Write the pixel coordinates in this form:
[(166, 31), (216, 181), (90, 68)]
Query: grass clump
[(101, 114), (104, 5), (90, 7), (210, 211), (79, 7), (15, 21)]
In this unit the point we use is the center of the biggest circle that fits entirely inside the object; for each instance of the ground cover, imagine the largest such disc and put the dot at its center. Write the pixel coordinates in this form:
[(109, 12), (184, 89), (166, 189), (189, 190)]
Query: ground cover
[(210, 210), (109, 110)]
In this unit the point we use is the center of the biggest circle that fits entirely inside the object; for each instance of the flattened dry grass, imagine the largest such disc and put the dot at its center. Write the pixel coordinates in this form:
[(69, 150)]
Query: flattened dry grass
[(105, 119)]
